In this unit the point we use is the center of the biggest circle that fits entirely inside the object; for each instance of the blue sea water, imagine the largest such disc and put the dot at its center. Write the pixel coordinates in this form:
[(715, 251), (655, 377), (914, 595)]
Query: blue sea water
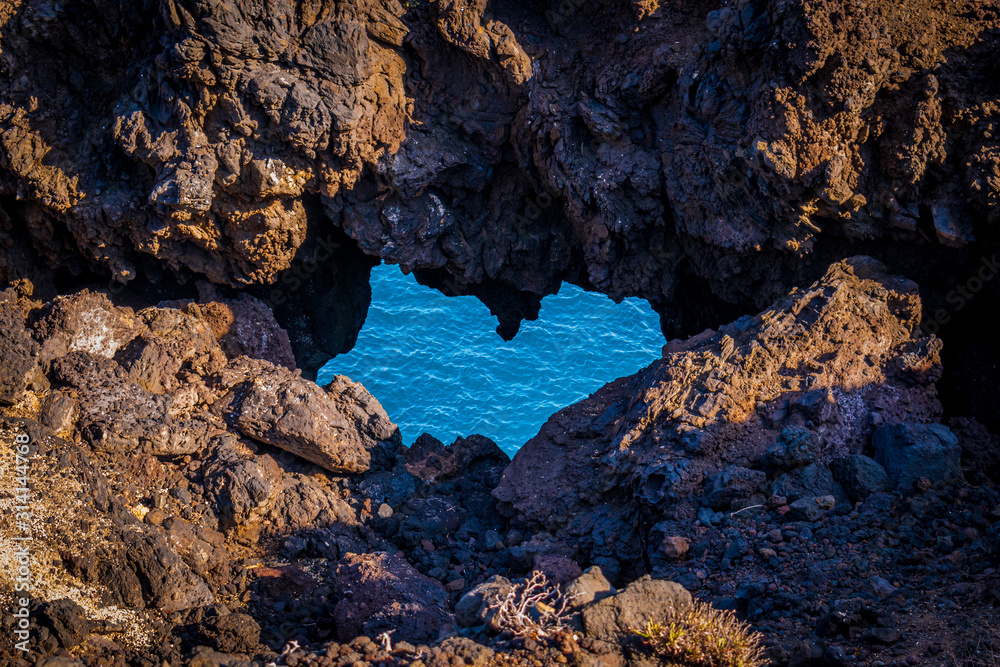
[(437, 365)]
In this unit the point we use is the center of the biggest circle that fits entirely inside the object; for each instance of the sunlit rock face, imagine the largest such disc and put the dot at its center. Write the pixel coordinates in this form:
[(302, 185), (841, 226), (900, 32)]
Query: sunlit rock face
[(695, 428)]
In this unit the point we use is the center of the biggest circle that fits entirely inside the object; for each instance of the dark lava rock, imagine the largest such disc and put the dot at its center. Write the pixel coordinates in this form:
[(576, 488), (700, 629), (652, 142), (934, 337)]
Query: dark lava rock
[(119, 416), (883, 635), (796, 447), (810, 508), (859, 475), (305, 502), (201, 548), (66, 620), (335, 429), (556, 568), (382, 592), (246, 327), (171, 342), (477, 458), (242, 487), (474, 607), (167, 582), (212, 134), (203, 656), (122, 583), (393, 488), (717, 385), (17, 352), (732, 483), (616, 617), (811, 480), (229, 633), (59, 411), (909, 451)]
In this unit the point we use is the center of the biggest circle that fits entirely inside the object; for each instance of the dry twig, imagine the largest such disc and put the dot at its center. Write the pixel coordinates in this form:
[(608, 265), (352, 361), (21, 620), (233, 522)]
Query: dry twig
[(535, 609)]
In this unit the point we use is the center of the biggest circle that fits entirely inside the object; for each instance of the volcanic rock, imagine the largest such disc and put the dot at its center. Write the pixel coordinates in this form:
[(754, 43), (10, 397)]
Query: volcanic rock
[(616, 617), (383, 592), (117, 415), (336, 430), (909, 451), (591, 586), (17, 350), (734, 482), (242, 485), (812, 480), (230, 633), (474, 608), (66, 620), (859, 476), (796, 447), (248, 145), (84, 322), (622, 453)]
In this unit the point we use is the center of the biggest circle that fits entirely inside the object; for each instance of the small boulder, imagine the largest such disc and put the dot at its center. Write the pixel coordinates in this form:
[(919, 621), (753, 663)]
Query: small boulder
[(242, 487), (393, 488), (811, 508), (17, 355), (589, 587), (203, 656), (167, 582), (859, 475), (557, 569), (909, 451), (811, 480), (335, 429), (172, 341), (882, 635), (231, 633), (66, 620), (675, 547), (616, 617), (58, 411), (468, 652), (474, 607), (796, 447), (84, 322), (382, 592), (732, 483), (246, 327)]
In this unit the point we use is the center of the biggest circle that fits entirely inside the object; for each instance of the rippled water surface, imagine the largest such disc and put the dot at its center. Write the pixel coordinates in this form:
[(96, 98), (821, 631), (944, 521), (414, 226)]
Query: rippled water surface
[(438, 366)]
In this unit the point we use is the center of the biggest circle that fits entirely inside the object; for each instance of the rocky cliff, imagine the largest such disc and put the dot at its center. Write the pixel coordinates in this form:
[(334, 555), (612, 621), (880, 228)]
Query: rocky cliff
[(817, 372), (692, 154)]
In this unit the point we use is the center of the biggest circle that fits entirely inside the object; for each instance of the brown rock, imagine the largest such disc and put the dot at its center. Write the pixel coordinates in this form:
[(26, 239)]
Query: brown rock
[(85, 322), (615, 618), (557, 569), (675, 547), (246, 326), (17, 354), (336, 429), (383, 592)]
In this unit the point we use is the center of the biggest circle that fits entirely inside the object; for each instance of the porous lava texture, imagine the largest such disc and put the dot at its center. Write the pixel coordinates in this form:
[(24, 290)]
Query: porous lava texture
[(693, 154)]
